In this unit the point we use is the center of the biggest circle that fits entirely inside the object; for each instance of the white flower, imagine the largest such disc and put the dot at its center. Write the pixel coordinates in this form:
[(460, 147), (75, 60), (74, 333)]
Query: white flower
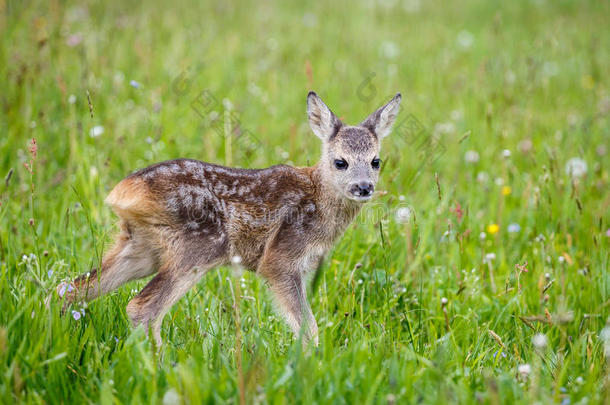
[(471, 156), (389, 49), (171, 397), (482, 235), (444, 301), (465, 39), (524, 370), (96, 131), (236, 259), (72, 99), (403, 215), (540, 341), (576, 167), (482, 177), (506, 153), (489, 257), (561, 259), (310, 19)]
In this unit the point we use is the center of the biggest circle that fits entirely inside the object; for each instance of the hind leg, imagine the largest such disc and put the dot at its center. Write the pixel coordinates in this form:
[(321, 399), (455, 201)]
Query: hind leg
[(130, 258), (185, 262), (165, 289)]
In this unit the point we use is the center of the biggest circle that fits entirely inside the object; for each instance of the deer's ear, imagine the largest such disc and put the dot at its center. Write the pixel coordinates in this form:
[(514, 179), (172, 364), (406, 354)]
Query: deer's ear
[(380, 122), (321, 119)]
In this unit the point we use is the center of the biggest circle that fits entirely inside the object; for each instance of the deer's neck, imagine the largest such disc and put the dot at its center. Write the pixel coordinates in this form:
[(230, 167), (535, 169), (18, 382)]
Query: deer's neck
[(336, 210)]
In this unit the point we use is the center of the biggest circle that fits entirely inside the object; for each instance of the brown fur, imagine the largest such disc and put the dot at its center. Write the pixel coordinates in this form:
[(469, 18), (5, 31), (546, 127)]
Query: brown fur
[(182, 217)]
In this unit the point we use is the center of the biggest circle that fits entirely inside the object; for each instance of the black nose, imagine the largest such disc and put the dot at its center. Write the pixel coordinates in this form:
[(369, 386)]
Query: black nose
[(362, 189)]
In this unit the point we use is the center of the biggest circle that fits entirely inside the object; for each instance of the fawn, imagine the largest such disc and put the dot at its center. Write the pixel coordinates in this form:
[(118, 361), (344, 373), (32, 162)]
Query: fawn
[(181, 218)]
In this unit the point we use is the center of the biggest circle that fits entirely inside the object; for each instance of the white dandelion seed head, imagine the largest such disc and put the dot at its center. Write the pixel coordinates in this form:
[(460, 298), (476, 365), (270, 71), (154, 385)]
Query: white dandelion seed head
[(540, 341), (465, 39), (471, 156), (96, 131), (482, 177), (524, 369), (576, 167), (482, 236), (444, 301), (403, 215), (236, 259), (310, 19), (506, 153), (171, 397)]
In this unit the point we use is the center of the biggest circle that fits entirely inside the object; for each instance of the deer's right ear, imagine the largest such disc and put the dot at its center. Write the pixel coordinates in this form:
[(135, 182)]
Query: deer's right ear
[(321, 119)]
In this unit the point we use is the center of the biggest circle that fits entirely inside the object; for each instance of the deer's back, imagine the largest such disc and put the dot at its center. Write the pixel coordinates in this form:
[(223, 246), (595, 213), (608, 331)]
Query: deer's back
[(237, 208)]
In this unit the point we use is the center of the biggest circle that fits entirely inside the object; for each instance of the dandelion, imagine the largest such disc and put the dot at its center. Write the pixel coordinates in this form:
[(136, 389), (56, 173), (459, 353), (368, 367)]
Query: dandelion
[(471, 156), (540, 342), (403, 215), (482, 236), (493, 229), (524, 370), (310, 19), (506, 190), (513, 228), (465, 39), (171, 397), (134, 84), (72, 99), (389, 49), (482, 177), (76, 315), (444, 301), (96, 131), (236, 260), (489, 257), (576, 167), (506, 153)]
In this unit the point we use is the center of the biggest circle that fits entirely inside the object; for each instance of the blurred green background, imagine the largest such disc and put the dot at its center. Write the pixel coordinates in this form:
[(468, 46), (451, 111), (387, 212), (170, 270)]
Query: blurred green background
[(421, 300)]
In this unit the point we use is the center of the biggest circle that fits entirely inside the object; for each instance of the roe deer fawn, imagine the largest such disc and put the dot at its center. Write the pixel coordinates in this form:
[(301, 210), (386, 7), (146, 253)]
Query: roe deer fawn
[(181, 218)]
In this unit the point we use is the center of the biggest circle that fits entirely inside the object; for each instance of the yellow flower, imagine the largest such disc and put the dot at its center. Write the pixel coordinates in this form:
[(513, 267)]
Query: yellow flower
[(493, 228), (506, 190)]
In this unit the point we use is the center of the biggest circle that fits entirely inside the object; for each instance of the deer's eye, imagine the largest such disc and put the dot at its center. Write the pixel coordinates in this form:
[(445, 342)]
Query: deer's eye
[(340, 164), (376, 163)]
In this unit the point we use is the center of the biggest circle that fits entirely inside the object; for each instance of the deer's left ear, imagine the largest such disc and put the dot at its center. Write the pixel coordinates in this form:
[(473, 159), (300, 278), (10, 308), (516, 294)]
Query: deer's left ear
[(380, 122)]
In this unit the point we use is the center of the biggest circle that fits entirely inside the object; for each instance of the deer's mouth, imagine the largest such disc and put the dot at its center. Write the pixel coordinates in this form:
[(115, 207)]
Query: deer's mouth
[(360, 198)]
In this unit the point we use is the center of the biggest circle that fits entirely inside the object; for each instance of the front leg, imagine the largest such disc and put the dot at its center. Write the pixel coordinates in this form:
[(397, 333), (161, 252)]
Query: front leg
[(286, 281)]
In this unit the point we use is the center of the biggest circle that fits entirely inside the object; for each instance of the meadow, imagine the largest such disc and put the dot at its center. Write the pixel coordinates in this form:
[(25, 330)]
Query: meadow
[(479, 273)]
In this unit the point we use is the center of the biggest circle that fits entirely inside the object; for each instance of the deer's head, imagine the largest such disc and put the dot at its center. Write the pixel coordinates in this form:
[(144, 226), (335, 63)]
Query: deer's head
[(350, 154)]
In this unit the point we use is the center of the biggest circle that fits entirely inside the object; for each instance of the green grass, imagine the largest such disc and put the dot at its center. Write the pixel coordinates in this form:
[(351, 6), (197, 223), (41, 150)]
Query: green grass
[(527, 76)]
